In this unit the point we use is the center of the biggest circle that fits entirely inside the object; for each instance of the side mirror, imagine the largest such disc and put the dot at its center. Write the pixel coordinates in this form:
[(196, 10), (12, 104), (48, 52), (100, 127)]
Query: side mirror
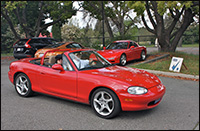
[(57, 67), (132, 47)]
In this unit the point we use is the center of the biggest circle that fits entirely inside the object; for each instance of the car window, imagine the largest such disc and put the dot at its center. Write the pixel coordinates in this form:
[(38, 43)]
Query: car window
[(21, 42), (66, 64), (74, 45), (49, 41), (119, 45), (32, 41), (133, 44), (57, 44)]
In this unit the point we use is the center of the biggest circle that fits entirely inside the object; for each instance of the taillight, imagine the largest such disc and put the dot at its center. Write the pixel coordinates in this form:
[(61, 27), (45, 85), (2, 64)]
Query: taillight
[(27, 45)]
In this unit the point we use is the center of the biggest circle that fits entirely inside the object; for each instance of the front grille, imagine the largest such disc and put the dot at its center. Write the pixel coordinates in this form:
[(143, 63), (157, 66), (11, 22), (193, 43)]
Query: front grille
[(154, 102)]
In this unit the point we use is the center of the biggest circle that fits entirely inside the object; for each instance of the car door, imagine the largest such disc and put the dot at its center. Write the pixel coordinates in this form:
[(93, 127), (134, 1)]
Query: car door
[(129, 52), (135, 51), (57, 81)]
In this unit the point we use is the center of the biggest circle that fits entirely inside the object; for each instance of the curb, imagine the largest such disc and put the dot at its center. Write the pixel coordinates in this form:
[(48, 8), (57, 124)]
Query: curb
[(155, 59), (174, 75)]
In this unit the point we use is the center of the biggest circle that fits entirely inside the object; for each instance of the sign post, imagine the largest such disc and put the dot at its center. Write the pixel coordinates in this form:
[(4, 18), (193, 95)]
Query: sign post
[(176, 64)]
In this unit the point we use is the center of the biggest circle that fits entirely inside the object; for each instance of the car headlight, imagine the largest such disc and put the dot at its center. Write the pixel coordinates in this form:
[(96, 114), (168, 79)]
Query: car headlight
[(137, 90)]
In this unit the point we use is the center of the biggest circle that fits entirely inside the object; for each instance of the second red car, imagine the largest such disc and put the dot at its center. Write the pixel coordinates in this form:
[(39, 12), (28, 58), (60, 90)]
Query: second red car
[(122, 51)]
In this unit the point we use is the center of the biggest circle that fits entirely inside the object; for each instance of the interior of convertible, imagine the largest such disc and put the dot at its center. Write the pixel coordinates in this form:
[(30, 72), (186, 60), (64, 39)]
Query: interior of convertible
[(48, 62)]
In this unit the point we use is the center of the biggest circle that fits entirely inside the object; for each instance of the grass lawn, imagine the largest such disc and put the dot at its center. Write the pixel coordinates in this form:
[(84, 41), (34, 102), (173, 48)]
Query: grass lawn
[(191, 62), (7, 54)]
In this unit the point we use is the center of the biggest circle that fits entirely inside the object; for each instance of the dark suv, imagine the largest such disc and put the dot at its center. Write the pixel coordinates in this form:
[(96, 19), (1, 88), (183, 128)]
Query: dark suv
[(24, 48)]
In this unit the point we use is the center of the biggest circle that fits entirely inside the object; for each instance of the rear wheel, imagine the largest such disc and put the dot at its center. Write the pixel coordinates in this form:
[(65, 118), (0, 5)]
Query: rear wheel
[(105, 103), (23, 85), (143, 55)]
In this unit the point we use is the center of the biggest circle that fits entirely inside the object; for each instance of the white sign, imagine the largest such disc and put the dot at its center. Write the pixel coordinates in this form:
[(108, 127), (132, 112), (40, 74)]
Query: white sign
[(176, 64)]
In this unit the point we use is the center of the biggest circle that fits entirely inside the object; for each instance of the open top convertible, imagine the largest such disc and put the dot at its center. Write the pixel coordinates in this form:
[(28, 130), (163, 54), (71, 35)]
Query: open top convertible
[(85, 76)]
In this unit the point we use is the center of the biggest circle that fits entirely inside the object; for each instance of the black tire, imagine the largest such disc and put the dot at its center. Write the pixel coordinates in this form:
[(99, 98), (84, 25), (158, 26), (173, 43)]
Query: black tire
[(123, 60), (23, 85), (143, 55), (105, 103)]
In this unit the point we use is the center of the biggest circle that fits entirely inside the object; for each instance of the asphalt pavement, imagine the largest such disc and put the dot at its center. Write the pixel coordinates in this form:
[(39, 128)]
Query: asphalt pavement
[(179, 110)]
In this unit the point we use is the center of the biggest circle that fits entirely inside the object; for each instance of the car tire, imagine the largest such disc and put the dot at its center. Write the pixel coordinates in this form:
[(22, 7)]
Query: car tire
[(23, 85), (123, 60), (143, 55), (105, 103)]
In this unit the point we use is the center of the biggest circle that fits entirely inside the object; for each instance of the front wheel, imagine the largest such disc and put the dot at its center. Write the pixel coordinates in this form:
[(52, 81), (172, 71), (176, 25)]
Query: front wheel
[(123, 60), (105, 103), (23, 85)]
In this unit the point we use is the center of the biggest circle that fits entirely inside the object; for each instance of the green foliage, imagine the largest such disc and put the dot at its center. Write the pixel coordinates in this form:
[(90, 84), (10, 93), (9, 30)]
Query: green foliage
[(11, 5), (32, 14), (55, 9), (56, 31), (138, 6), (191, 35), (70, 32)]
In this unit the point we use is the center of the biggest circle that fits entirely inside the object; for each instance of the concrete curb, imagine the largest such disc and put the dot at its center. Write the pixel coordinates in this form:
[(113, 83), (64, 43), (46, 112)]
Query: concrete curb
[(155, 59), (174, 75)]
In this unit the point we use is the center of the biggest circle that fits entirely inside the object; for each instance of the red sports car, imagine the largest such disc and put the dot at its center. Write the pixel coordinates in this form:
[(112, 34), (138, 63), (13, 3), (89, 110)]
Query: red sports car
[(121, 51), (87, 77)]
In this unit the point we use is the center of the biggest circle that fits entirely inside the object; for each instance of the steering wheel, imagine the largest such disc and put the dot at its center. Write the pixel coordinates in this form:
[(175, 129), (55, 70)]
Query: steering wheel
[(93, 61)]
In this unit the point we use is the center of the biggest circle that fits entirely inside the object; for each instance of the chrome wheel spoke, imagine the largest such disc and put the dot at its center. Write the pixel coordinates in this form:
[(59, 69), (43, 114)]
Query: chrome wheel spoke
[(108, 108), (22, 85), (103, 103), (97, 101), (25, 87)]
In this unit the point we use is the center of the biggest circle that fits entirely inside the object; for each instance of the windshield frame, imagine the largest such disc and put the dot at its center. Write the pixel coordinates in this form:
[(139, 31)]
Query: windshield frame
[(97, 55)]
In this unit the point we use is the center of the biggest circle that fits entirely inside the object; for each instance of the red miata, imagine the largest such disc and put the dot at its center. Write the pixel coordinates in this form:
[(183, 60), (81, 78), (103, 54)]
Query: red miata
[(122, 51), (87, 77)]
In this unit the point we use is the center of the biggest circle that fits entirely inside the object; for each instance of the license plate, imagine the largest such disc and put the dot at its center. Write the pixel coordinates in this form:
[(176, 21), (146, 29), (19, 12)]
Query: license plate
[(156, 101), (19, 49)]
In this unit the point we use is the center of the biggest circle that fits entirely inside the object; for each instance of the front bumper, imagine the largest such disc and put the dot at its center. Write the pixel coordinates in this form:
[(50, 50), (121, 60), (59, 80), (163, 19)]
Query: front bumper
[(149, 100)]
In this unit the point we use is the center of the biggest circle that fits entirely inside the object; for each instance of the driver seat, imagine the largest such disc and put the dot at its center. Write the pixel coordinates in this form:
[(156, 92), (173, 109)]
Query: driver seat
[(52, 60)]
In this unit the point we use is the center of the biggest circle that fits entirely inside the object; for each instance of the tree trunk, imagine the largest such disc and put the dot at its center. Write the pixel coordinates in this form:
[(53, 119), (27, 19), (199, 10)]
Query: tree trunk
[(11, 25), (108, 27)]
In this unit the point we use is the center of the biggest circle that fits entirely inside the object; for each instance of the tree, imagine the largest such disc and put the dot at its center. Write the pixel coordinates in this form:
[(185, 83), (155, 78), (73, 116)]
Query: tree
[(168, 37), (31, 15), (114, 12), (56, 31), (70, 32)]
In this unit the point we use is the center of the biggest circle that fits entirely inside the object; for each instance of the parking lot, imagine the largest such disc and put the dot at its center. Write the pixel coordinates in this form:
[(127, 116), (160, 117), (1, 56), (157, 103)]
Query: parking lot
[(179, 110)]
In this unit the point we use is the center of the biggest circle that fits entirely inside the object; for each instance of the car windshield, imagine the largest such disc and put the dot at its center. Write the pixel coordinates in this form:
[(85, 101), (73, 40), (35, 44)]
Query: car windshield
[(119, 45), (54, 45), (85, 60)]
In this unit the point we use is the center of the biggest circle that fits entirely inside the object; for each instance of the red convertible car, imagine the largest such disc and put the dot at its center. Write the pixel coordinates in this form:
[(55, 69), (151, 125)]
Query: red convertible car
[(121, 51), (87, 77)]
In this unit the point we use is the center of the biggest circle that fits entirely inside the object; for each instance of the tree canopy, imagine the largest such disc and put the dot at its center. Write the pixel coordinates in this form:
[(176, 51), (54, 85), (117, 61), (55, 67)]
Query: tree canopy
[(182, 12), (31, 15)]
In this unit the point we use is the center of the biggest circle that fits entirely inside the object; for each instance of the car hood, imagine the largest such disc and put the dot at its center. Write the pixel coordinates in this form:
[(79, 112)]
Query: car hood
[(132, 76), (110, 53)]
